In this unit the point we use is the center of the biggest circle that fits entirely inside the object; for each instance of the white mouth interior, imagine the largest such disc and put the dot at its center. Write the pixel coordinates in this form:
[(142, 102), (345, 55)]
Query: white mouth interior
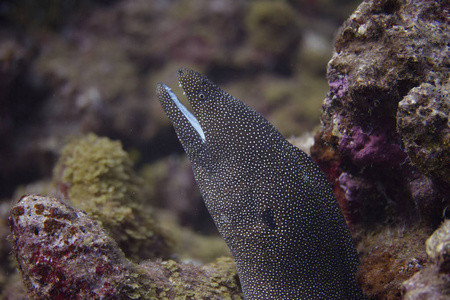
[(189, 116)]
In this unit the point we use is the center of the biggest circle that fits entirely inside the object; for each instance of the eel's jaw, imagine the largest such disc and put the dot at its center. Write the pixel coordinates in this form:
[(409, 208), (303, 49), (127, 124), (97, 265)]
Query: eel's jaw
[(189, 116)]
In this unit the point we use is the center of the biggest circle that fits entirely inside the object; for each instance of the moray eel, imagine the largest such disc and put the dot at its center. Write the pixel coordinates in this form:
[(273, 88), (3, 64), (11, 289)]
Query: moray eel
[(269, 200)]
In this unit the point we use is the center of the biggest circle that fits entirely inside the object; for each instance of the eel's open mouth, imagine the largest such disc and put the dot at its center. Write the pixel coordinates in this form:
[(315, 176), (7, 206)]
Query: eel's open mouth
[(189, 116)]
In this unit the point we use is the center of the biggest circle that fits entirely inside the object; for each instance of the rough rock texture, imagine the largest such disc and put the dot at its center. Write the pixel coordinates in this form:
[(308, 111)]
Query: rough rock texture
[(390, 256), (423, 122), (63, 254), (386, 112), (433, 282), (384, 139)]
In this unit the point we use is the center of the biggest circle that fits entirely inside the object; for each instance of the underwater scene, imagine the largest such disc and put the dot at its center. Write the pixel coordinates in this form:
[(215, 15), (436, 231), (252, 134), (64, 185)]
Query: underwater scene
[(225, 149)]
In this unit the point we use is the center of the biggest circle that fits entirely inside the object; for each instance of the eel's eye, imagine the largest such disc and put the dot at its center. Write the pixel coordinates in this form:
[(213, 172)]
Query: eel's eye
[(202, 95)]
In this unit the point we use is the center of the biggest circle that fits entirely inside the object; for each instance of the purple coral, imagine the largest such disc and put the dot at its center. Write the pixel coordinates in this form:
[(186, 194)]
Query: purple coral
[(367, 149), (349, 185), (339, 85)]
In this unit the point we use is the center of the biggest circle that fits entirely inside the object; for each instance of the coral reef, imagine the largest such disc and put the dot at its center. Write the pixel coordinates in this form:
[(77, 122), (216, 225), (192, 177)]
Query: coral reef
[(386, 113), (96, 174), (433, 282), (91, 66), (384, 137), (63, 254), (423, 122), (383, 144), (365, 149)]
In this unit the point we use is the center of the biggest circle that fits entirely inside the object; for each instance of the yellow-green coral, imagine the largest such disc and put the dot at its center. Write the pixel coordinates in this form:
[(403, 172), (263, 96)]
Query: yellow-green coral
[(224, 278), (217, 280), (272, 26), (97, 175)]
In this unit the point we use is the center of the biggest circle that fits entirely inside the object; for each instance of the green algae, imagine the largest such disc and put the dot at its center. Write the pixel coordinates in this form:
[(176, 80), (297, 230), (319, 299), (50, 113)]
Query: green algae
[(225, 278), (217, 280), (97, 175)]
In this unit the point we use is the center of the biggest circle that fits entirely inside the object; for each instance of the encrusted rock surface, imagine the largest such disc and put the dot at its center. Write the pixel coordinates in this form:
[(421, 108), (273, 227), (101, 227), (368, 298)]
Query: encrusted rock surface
[(423, 122), (391, 256), (63, 254), (433, 282), (384, 140), (386, 113)]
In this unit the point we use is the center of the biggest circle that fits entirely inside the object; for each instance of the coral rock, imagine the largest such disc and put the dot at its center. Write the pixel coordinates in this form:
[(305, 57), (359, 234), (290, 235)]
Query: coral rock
[(388, 105), (365, 149), (63, 254), (438, 247), (433, 282), (393, 255), (424, 125)]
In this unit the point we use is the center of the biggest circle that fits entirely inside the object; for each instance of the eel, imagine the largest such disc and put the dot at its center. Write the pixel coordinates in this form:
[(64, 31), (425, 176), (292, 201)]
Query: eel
[(269, 200)]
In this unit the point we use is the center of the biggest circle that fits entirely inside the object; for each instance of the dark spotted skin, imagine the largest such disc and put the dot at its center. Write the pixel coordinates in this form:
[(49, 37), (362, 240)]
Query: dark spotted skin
[(269, 200)]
